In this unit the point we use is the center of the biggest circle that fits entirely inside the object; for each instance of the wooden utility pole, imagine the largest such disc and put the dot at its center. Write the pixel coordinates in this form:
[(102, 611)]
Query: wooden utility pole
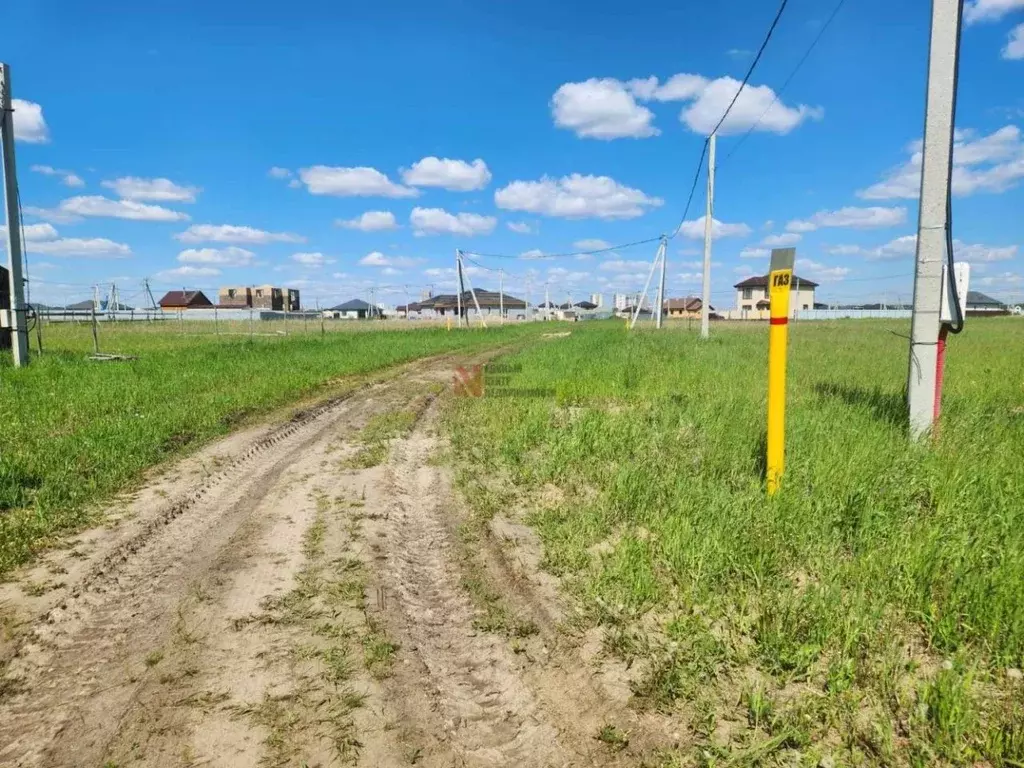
[(17, 319)]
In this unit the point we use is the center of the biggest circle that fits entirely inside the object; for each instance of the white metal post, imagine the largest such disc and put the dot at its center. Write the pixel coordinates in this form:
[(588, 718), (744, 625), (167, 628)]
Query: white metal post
[(501, 295), (931, 223), (528, 298), (547, 301), (661, 283), (709, 212), (18, 320)]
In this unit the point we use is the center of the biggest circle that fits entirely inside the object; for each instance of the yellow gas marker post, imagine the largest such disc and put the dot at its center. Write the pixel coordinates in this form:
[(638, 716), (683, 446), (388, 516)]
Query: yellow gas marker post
[(780, 278)]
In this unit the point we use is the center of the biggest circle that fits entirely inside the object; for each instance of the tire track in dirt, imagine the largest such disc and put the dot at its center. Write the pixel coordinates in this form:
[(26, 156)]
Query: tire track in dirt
[(289, 609)]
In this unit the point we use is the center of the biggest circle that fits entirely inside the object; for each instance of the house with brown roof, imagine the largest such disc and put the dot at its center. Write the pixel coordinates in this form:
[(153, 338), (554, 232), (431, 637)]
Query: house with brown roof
[(752, 296), (175, 300), (688, 306)]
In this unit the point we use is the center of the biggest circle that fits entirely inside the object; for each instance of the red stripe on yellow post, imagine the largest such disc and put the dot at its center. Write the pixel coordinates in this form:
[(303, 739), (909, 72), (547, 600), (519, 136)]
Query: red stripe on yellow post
[(779, 280)]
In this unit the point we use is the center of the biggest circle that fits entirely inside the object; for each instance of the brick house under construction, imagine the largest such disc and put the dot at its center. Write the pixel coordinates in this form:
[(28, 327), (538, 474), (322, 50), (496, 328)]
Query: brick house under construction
[(259, 297)]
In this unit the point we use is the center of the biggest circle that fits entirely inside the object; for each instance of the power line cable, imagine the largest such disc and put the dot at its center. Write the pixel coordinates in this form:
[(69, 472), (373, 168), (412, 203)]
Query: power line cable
[(746, 79), (785, 84), (564, 255)]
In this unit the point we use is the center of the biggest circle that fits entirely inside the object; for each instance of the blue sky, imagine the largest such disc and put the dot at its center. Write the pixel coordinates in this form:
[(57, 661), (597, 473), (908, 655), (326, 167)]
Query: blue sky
[(336, 147)]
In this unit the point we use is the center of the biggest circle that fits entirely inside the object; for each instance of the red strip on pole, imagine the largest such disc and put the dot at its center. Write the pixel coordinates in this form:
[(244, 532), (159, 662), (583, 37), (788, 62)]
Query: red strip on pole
[(940, 364)]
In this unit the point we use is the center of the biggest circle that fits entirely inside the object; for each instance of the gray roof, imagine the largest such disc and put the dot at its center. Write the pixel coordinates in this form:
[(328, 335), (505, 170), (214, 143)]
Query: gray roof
[(349, 306), (979, 299)]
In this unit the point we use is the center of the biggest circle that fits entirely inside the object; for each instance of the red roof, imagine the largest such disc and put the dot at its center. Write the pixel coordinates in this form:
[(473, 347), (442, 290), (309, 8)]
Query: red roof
[(185, 299)]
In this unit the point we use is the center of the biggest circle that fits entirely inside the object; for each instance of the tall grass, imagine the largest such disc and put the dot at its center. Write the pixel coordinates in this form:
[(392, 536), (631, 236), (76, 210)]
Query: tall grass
[(880, 594), (73, 430)]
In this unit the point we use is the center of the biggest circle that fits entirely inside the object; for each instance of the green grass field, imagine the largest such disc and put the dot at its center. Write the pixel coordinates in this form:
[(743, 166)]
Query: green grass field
[(872, 613), (74, 431)]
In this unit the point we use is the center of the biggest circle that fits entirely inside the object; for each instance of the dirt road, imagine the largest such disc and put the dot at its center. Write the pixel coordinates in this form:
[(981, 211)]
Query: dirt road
[(303, 594)]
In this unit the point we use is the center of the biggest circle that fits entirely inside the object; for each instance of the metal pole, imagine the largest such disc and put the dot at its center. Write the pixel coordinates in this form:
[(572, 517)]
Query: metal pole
[(18, 320), (661, 283), (528, 298), (216, 326), (501, 295), (709, 212), (641, 297), (931, 223), (95, 332), (458, 298), (547, 301)]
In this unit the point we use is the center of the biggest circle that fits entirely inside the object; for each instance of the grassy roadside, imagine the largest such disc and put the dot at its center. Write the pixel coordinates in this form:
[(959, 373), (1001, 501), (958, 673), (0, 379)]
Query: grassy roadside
[(870, 615), (75, 431)]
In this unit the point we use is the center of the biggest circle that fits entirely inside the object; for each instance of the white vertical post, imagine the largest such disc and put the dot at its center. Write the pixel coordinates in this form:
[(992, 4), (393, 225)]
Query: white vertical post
[(641, 298), (661, 282), (931, 224), (501, 295), (709, 212), (18, 319), (528, 297), (547, 302)]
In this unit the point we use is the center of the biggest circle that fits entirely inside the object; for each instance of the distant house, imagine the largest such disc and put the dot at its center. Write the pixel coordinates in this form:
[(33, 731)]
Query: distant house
[(174, 300), (260, 297), (491, 302), (689, 306), (982, 305), (752, 296), (356, 309)]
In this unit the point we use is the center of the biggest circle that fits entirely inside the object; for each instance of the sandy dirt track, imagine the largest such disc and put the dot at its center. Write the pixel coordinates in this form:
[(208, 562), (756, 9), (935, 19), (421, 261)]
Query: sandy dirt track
[(286, 597)]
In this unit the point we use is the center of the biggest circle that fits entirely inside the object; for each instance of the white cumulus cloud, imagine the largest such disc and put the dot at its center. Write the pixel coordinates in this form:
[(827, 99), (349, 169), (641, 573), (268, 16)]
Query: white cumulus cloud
[(592, 244), (821, 272), (99, 206), (576, 197), (371, 221), (29, 125), (67, 178), (989, 10), (230, 233), (157, 190), (278, 172), (187, 271), (601, 108), (850, 216), (98, 247), (521, 227), (351, 182), (695, 229), (437, 221), (992, 163), (455, 175), (1015, 44), (623, 265), (378, 259), (757, 105), (232, 256), (754, 253), (34, 232), (309, 259), (782, 240)]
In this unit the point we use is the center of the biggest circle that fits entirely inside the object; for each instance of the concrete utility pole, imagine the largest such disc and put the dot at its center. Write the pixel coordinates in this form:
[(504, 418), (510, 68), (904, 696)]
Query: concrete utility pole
[(547, 302), (458, 298), (17, 320), (932, 221), (661, 282), (709, 212)]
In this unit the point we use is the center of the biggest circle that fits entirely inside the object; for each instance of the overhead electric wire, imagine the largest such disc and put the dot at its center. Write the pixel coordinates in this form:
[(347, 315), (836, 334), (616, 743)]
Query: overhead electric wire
[(958, 325), (564, 255), (785, 84), (743, 84)]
